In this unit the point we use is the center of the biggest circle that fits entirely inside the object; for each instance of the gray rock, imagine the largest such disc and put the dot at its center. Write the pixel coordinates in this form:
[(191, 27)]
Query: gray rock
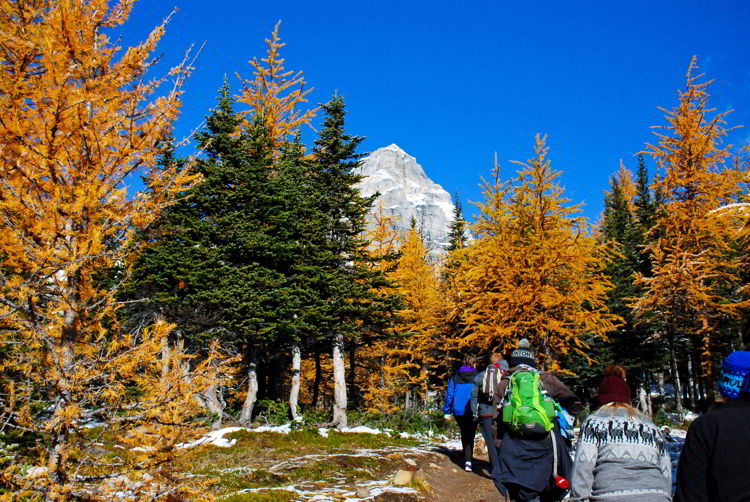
[(406, 192)]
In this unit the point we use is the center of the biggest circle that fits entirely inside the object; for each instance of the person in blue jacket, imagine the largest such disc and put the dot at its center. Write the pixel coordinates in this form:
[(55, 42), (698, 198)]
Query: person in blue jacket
[(458, 404)]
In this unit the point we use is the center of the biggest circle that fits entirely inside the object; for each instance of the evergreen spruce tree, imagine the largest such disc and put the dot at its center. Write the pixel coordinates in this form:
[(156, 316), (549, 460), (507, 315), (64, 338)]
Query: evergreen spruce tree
[(457, 229), (346, 283), (226, 257)]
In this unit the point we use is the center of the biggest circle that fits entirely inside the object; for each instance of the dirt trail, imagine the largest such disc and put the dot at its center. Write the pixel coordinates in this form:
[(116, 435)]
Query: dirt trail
[(450, 483)]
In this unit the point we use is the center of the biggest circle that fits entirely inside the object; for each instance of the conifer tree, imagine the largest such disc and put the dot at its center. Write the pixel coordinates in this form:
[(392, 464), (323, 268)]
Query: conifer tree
[(274, 95), (79, 118), (229, 258), (346, 281), (457, 228), (533, 271), (691, 256)]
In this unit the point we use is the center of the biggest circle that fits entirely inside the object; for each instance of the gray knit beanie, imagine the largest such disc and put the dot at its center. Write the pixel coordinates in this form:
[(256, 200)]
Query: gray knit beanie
[(522, 355)]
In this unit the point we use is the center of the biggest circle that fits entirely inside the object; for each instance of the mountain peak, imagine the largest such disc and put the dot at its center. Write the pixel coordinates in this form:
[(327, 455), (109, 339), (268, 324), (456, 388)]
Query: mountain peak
[(407, 192)]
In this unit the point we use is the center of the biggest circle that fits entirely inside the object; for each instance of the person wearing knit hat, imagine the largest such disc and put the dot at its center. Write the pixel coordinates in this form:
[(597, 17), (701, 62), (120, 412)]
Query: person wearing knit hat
[(714, 462), (532, 468), (522, 355), (621, 454)]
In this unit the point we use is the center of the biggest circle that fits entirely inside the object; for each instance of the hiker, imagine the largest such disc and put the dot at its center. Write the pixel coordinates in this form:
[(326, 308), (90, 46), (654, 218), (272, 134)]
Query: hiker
[(621, 454), (714, 461), (481, 401), (458, 404), (535, 463)]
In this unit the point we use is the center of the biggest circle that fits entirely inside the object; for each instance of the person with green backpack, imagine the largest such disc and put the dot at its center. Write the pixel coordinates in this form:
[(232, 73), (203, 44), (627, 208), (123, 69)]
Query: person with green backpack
[(535, 463)]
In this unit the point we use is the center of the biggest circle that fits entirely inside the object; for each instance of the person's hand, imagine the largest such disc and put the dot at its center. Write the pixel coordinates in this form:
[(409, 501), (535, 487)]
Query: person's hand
[(476, 417), (448, 417)]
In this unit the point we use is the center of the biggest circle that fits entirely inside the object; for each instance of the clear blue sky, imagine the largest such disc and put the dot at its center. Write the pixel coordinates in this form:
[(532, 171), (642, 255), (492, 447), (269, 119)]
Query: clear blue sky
[(451, 82)]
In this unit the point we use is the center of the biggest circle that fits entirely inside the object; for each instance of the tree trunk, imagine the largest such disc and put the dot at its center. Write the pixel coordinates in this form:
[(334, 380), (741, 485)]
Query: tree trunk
[(642, 401), (660, 382), (213, 401), (339, 382), (691, 382), (252, 388), (677, 387), (165, 357), (352, 382), (296, 369), (407, 399), (318, 378)]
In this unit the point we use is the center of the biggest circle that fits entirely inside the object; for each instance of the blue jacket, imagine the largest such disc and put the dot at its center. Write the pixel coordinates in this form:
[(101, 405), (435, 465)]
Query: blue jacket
[(458, 394)]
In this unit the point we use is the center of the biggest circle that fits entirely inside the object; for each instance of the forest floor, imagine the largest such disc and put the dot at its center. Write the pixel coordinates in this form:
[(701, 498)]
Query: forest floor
[(279, 465)]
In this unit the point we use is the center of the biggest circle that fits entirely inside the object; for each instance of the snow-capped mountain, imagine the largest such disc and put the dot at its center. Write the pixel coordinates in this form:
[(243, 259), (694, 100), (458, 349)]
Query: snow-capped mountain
[(407, 192)]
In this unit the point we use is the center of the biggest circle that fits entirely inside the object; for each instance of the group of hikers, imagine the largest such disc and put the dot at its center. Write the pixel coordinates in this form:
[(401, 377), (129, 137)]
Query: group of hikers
[(525, 417)]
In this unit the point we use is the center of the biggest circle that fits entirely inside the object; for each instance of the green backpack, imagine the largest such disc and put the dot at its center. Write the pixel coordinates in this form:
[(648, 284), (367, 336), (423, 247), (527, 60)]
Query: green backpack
[(527, 409)]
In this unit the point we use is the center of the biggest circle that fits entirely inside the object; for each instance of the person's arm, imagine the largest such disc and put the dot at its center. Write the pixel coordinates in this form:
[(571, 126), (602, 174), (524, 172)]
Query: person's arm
[(448, 403), (582, 479), (477, 382), (692, 473), (561, 393), (499, 394)]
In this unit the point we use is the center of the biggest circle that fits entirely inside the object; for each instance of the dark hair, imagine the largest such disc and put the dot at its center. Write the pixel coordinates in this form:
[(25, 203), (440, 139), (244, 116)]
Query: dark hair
[(616, 370), (470, 360)]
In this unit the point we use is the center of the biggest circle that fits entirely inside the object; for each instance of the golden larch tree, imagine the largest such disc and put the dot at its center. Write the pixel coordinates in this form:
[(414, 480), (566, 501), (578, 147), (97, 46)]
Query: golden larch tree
[(692, 259), (417, 334), (78, 116), (275, 94), (534, 271)]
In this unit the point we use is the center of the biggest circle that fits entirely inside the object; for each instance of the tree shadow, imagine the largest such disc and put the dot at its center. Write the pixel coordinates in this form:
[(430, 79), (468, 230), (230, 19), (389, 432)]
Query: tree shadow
[(480, 467)]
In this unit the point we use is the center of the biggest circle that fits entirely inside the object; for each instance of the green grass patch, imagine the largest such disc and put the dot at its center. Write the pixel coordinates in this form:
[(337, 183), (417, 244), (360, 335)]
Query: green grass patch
[(261, 496)]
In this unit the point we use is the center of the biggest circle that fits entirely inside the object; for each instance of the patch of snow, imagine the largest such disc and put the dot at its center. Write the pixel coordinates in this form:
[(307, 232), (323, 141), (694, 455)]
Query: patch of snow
[(143, 448), (362, 430), (323, 432), (280, 429), (215, 438)]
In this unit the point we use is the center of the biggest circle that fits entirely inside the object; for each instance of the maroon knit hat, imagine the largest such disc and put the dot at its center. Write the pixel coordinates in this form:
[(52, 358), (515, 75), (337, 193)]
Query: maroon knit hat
[(613, 389)]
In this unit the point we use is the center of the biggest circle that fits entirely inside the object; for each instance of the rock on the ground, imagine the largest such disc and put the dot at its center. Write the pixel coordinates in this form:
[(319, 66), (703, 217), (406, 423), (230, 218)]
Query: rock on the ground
[(402, 478), (480, 447), (362, 492)]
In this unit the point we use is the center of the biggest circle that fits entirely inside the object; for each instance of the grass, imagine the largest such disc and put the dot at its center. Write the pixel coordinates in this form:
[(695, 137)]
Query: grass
[(248, 463), (261, 496)]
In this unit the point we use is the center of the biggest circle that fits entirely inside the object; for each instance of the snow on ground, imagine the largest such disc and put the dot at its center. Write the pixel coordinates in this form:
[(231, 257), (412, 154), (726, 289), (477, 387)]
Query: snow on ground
[(375, 488), (215, 438)]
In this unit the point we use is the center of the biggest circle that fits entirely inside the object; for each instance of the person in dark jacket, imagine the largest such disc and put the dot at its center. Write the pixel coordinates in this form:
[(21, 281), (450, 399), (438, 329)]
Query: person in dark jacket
[(714, 462), (458, 404), (481, 402), (526, 464)]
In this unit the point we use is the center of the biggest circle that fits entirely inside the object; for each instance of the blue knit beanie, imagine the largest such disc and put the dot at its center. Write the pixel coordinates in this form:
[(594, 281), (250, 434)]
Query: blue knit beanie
[(735, 378)]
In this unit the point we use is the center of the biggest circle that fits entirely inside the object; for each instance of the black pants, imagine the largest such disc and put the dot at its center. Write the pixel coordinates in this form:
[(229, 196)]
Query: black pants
[(485, 424), (468, 428), (521, 494)]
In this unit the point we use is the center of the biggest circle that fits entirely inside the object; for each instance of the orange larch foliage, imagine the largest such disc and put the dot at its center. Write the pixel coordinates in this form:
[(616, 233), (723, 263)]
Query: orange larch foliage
[(409, 354), (275, 94), (78, 116), (629, 190), (534, 271), (692, 261)]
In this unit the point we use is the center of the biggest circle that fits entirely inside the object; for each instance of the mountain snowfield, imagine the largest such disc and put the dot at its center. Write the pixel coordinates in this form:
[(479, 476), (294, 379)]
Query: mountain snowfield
[(407, 192)]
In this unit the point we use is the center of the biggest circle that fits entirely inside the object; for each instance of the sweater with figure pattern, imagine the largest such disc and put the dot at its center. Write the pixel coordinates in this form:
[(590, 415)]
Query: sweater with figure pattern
[(621, 458)]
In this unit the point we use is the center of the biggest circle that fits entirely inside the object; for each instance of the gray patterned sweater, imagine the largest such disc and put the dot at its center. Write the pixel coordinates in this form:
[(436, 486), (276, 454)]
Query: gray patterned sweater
[(621, 459)]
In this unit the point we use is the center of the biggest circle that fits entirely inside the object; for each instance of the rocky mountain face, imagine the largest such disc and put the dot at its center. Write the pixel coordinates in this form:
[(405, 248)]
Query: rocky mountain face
[(407, 192)]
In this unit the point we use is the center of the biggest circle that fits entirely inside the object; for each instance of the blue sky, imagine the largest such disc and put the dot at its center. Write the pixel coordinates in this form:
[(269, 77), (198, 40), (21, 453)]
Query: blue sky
[(452, 82)]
